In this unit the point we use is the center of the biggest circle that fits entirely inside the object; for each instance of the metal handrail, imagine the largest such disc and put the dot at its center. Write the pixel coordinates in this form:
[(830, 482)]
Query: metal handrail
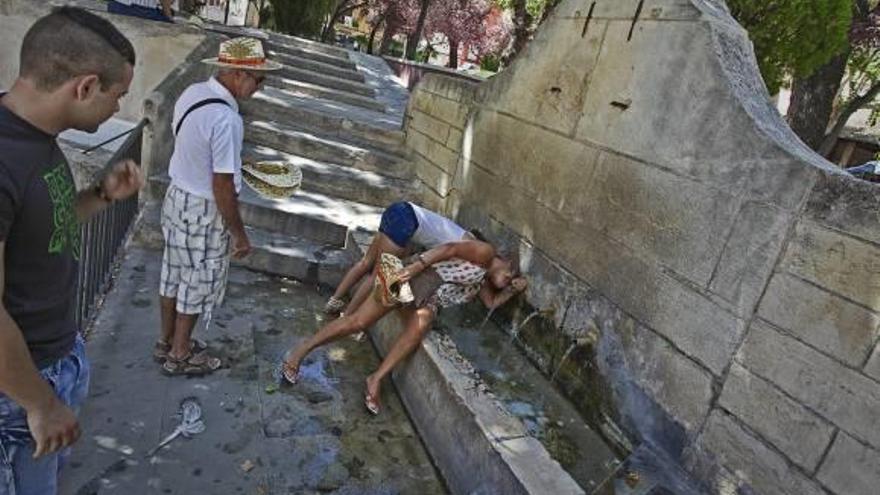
[(102, 239)]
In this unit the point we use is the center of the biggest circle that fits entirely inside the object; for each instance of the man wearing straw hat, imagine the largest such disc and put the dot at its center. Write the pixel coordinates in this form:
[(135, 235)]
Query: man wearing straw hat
[(200, 213)]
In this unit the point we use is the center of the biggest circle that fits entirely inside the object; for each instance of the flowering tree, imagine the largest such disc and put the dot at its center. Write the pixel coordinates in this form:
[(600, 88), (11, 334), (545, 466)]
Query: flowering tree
[(475, 24)]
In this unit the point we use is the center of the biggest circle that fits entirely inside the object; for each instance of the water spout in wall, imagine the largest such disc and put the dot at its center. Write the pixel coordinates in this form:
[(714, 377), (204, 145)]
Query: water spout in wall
[(580, 342)]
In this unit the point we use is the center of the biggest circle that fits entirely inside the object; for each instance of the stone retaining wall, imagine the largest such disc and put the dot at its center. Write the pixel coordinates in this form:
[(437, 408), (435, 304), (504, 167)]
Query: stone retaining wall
[(725, 275)]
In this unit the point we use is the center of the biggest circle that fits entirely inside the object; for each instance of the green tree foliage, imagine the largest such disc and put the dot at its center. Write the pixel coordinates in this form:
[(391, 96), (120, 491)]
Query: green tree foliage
[(793, 37), (300, 17)]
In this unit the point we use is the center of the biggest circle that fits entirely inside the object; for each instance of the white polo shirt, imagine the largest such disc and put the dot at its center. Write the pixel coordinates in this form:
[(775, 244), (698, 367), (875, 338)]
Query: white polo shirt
[(210, 140)]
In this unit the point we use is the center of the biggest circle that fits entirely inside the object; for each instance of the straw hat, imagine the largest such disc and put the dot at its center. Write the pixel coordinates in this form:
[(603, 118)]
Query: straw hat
[(272, 180), (243, 54), (390, 290)]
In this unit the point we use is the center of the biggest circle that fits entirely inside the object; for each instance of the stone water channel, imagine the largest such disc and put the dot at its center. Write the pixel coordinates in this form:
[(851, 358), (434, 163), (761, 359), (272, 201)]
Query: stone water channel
[(601, 463)]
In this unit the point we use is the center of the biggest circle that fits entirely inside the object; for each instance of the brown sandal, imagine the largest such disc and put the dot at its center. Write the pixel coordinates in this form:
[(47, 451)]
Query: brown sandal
[(162, 348), (193, 364)]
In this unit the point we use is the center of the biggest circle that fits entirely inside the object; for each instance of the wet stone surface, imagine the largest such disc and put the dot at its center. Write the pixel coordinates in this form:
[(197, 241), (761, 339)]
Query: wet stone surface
[(524, 391), (262, 437)]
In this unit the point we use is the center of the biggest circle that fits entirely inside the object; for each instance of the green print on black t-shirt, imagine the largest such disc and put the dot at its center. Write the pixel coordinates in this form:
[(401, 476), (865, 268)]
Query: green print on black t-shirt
[(66, 231)]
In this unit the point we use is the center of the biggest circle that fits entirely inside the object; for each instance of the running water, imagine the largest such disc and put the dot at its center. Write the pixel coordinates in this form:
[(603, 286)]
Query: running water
[(562, 361), (515, 329), (579, 342), (486, 320)]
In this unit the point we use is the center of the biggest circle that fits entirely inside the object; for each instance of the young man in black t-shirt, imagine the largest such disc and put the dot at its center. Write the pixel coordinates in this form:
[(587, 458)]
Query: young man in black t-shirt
[(74, 68)]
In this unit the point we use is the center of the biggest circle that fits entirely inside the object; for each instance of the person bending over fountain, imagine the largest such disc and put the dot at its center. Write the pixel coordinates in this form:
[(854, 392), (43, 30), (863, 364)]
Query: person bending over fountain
[(450, 274), (403, 224)]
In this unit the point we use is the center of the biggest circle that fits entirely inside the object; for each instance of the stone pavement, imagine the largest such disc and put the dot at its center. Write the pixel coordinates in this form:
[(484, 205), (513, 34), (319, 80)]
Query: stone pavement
[(312, 438)]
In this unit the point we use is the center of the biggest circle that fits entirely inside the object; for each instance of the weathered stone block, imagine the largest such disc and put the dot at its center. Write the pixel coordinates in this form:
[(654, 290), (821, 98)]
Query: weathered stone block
[(449, 87), (697, 125), (548, 81), (670, 378), (847, 204), (660, 215), (434, 151), (449, 111), (832, 325), (432, 175), (797, 432), (520, 154), (755, 464), (839, 263), (841, 395), (455, 138), (851, 468), (873, 367), (426, 124), (750, 255), (690, 320)]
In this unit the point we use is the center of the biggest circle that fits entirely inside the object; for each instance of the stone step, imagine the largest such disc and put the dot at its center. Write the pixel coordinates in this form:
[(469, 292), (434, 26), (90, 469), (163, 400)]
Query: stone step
[(279, 254), (347, 183), (330, 95), (288, 41), (309, 144), (331, 82), (272, 104), (319, 67), (297, 258), (304, 217), (275, 50)]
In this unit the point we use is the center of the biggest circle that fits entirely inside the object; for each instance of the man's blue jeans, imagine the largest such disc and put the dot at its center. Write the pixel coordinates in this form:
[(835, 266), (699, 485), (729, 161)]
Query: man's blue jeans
[(20, 473)]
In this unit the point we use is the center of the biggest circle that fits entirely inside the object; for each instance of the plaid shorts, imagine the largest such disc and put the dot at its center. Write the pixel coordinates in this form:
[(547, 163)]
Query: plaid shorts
[(196, 258)]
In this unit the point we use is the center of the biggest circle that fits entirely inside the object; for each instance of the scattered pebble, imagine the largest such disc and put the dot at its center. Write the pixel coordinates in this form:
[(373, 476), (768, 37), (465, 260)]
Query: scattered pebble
[(247, 466)]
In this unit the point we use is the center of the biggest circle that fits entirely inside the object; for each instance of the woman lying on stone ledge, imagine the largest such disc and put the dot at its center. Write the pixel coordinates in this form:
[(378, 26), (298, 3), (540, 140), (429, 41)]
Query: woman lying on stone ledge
[(447, 275)]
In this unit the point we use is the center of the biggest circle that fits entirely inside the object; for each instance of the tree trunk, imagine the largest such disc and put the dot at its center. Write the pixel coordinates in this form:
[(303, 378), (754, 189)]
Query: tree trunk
[(387, 38), (845, 113), (373, 35), (453, 54), (342, 8), (412, 44), (812, 101)]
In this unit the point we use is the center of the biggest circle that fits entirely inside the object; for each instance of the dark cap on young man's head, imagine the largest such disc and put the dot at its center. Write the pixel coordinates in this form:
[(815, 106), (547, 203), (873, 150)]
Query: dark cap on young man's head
[(72, 42)]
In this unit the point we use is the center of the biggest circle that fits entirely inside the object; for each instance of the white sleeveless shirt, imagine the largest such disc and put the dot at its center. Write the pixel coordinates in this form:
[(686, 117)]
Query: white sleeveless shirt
[(435, 229)]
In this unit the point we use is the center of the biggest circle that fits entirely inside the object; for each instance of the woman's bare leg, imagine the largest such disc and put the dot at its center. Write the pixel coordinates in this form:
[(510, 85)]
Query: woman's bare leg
[(418, 324), (367, 314), (359, 269)]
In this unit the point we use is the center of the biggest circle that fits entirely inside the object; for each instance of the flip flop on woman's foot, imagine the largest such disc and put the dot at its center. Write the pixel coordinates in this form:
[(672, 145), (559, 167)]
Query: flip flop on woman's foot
[(371, 402)]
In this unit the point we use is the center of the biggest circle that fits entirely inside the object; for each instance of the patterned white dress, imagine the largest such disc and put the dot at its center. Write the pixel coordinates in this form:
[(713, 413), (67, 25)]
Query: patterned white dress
[(461, 282)]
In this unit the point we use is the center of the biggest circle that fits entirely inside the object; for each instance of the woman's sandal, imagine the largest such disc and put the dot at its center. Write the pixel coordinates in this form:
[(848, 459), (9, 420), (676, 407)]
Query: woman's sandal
[(371, 403), (162, 348), (193, 364)]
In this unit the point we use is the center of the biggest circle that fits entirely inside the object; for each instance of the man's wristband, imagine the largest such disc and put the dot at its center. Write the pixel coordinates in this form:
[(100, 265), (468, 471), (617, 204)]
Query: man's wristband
[(422, 259), (99, 191)]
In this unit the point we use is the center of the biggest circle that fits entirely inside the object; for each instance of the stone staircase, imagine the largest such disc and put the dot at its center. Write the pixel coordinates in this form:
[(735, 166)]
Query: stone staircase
[(338, 115)]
